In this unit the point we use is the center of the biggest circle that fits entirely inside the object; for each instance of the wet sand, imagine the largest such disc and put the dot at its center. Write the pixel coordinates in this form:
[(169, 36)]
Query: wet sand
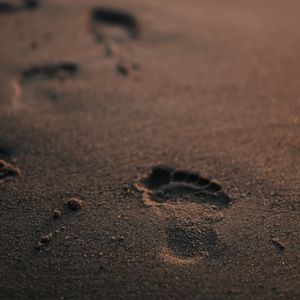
[(149, 149)]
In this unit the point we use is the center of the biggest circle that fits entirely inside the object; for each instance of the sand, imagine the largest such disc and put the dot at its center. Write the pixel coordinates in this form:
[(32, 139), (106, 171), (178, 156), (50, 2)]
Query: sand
[(95, 94)]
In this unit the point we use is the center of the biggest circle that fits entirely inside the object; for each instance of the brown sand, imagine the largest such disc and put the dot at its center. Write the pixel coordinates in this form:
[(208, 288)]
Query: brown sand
[(216, 93)]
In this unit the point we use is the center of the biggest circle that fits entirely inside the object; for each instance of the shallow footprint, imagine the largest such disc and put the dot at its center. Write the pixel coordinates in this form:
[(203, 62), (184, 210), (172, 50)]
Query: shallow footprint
[(57, 223), (6, 149), (167, 184), (108, 23), (187, 242), (17, 5), (116, 30), (50, 71)]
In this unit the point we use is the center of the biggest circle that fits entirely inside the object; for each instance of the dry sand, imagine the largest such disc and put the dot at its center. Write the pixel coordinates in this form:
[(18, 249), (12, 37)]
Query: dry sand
[(94, 94)]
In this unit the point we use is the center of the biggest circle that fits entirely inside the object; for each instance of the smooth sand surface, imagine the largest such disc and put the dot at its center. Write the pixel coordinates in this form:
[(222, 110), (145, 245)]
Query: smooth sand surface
[(94, 94)]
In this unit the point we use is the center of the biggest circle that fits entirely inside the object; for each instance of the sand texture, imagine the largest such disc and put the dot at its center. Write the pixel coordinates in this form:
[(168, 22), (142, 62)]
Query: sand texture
[(149, 149)]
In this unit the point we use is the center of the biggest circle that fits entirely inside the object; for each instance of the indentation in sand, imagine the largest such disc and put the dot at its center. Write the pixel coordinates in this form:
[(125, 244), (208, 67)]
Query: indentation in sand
[(108, 23), (184, 196), (188, 242), (56, 72), (165, 185), (51, 71)]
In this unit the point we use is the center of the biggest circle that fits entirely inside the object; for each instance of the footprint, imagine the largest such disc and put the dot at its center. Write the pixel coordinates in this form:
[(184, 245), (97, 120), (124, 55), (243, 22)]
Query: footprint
[(190, 241), (47, 76), (167, 185), (51, 71), (116, 30), (192, 203), (6, 150), (15, 6), (109, 23)]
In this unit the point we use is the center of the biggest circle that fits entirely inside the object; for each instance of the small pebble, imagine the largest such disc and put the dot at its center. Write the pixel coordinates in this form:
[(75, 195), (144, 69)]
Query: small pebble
[(56, 213), (118, 238), (75, 203)]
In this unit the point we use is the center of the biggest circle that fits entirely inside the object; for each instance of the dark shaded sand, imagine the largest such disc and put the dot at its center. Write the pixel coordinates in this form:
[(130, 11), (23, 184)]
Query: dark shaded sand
[(213, 107), (13, 6)]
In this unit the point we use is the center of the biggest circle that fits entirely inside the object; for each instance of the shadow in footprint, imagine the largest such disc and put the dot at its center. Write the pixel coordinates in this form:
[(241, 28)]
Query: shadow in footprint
[(166, 184), (103, 17), (16, 6), (51, 71), (188, 242), (6, 150)]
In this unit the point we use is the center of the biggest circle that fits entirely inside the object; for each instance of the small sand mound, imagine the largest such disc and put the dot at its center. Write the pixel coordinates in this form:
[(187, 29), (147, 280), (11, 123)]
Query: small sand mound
[(75, 203), (56, 213)]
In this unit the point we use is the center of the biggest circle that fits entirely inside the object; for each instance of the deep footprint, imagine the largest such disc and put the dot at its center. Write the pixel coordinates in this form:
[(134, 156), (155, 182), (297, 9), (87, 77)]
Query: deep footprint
[(51, 71), (166, 184), (104, 17), (15, 6), (188, 242)]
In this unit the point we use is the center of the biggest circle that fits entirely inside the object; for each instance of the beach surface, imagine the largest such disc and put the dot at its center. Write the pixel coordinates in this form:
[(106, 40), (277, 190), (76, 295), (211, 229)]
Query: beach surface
[(149, 149)]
